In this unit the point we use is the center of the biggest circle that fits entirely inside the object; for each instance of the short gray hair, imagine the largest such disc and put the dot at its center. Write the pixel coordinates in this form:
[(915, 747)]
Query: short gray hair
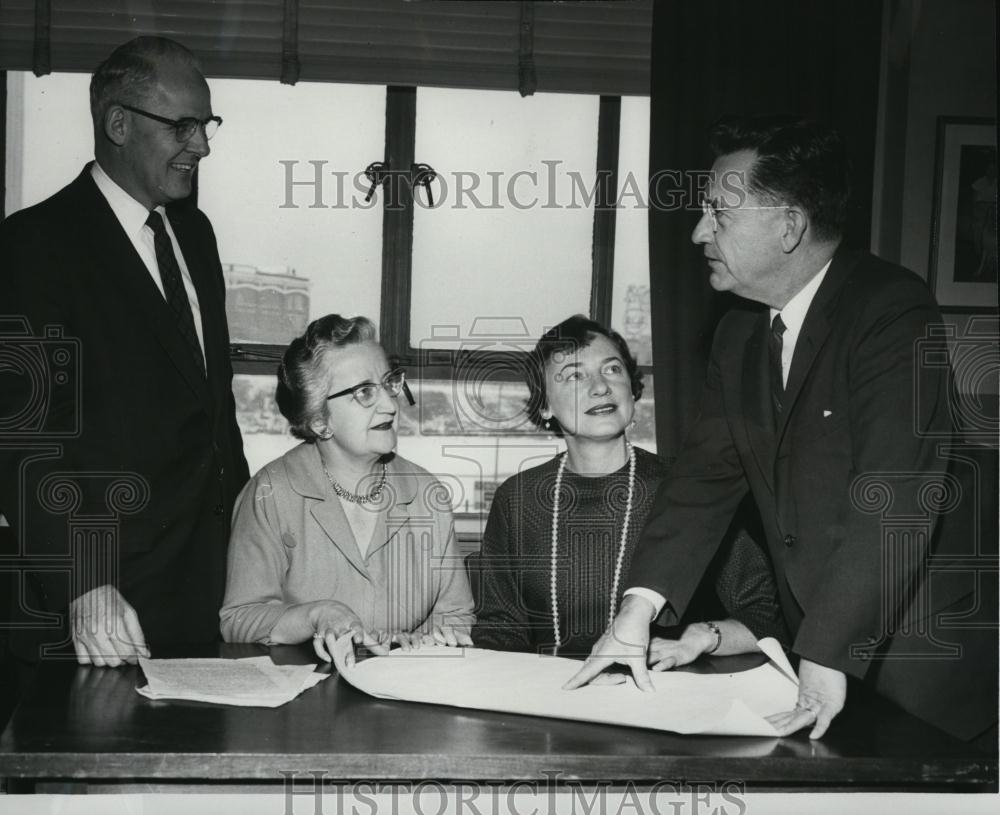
[(301, 393), (128, 75)]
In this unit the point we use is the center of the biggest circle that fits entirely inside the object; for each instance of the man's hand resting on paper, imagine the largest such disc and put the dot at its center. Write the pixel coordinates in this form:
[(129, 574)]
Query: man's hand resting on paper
[(822, 693)]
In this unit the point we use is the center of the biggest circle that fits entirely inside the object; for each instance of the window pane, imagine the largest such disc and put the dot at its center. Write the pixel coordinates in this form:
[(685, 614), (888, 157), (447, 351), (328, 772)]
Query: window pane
[(284, 188), (511, 229), (630, 306), (264, 429), (453, 432), (49, 135)]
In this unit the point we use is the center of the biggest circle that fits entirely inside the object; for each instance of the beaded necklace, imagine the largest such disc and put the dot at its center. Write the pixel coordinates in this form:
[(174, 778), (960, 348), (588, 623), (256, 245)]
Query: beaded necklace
[(621, 545), (353, 497)]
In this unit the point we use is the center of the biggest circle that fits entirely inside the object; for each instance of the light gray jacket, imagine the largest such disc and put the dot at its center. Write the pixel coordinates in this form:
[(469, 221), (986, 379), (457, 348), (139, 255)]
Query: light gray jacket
[(291, 543)]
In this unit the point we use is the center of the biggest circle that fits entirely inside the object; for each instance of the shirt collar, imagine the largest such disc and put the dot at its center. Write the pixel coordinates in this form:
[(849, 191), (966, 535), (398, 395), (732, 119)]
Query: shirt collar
[(130, 213), (794, 312)]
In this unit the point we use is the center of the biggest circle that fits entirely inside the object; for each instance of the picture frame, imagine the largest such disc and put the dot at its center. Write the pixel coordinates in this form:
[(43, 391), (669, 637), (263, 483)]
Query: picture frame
[(962, 271)]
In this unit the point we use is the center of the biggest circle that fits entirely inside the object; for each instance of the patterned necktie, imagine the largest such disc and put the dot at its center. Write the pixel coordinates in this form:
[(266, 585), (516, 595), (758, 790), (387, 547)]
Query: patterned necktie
[(173, 286), (774, 345)]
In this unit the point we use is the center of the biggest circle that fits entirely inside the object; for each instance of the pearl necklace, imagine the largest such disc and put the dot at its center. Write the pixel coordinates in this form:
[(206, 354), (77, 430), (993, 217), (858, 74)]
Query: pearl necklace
[(621, 546), (353, 497)]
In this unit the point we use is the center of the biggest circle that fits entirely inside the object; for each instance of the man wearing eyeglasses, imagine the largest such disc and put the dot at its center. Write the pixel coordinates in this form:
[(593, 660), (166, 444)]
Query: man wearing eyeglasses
[(122, 265), (828, 402)]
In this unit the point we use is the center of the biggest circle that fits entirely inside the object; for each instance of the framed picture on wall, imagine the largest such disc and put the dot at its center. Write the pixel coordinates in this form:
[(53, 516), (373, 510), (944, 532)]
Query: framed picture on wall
[(963, 262)]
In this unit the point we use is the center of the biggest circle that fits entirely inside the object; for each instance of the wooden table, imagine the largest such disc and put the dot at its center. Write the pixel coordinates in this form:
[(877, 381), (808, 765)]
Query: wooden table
[(88, 725)]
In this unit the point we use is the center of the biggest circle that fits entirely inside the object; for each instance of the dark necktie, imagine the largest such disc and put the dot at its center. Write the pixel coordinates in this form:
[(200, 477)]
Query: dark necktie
[(173, 286), (774, 344)]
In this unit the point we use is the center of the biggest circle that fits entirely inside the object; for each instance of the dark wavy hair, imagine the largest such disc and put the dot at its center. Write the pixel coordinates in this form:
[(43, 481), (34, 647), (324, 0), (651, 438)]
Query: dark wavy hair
[(569, 336), (129, 74), (301, 393), (798, 162)]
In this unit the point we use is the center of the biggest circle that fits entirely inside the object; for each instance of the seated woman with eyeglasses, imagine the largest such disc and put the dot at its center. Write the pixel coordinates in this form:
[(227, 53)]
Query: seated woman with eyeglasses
[(340, 534), (560, 537)]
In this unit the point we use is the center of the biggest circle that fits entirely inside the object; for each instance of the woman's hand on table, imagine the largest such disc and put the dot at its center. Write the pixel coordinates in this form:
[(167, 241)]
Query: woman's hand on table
[(331, 620), (452, 636), (665, 654), (446, 635)]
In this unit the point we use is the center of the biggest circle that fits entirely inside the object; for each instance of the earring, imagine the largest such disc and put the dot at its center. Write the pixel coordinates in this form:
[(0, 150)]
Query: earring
[(547, 424)]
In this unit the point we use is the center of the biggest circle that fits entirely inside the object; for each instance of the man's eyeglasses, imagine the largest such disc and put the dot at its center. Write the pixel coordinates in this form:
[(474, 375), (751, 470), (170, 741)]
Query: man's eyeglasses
[(366, 393), (184, 129), (711, 208)]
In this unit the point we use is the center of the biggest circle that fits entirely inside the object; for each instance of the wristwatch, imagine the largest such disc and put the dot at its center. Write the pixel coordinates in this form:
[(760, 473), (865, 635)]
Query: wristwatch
[(718, 637)]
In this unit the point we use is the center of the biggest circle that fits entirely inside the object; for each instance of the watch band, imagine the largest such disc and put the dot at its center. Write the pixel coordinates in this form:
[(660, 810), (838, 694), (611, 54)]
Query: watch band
[(718, 637)]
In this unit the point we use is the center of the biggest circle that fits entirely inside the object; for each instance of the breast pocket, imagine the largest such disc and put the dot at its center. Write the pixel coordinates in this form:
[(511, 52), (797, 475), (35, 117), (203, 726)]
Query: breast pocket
[(818, 424)]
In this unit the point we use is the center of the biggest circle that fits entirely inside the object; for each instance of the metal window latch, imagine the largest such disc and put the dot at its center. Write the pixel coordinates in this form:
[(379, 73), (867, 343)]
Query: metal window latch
[(423, 174), (376, 172)]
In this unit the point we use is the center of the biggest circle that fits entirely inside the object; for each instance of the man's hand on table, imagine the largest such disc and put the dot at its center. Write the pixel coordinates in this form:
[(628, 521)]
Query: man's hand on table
[(105, 628), (822, 693), (625, 642)]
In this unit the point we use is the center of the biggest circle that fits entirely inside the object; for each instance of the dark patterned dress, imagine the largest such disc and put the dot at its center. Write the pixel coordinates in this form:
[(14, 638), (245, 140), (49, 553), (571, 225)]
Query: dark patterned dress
[(513, 573)]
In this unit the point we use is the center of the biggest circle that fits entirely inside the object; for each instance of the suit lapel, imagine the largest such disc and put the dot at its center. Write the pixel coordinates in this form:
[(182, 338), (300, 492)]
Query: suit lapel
[(757, 410), (815, 330), (305, 471), (129, 279), (329, 514), (391, 520)]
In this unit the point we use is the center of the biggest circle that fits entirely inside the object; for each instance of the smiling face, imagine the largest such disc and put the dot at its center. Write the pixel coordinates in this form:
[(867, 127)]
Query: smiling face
[(744, 252), (362, 434), (150, 164), (589, 391)]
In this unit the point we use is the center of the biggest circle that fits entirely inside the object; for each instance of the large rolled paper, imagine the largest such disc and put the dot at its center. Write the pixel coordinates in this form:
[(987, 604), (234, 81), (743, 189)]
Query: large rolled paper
[(718, 704)]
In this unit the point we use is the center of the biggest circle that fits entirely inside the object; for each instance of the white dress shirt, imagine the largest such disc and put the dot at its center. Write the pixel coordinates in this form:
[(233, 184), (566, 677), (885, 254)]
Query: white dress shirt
[(793, 315), (132, 216)]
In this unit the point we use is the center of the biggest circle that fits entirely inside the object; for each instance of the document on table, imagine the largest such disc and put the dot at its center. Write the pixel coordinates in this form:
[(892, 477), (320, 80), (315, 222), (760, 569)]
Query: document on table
[(733, 704), (253, 682)]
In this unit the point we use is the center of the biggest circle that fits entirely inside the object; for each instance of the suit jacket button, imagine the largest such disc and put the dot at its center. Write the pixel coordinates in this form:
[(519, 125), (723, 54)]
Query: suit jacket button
[(219, 509), (789, 540)]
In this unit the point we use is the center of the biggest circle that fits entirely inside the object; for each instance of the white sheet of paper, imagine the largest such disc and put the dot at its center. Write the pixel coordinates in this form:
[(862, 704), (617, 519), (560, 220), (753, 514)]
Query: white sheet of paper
[(253, 682), (720, 704)]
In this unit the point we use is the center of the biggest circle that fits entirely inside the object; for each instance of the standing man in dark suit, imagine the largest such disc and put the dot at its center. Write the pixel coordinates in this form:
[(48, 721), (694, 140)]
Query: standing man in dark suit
[(817, 405), (134, 507)]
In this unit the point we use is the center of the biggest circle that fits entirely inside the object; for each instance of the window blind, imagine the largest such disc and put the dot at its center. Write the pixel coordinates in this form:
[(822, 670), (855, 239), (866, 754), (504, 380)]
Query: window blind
[(577, 47)]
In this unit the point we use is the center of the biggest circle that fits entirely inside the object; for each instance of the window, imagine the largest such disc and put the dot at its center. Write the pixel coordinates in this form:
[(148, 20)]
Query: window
[(509, 237), (279, 189), (521, 234)]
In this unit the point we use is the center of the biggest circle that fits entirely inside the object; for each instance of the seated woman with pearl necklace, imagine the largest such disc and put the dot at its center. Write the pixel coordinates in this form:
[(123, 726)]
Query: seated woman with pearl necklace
[(560, 535), (340, 534)]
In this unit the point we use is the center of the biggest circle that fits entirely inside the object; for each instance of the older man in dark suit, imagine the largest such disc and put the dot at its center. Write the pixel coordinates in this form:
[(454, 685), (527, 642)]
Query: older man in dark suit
[(125, 523), (815, 403)]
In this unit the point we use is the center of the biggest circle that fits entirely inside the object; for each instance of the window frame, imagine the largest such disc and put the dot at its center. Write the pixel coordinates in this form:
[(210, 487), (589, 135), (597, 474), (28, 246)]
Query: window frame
[(397, 246), (397, 252)]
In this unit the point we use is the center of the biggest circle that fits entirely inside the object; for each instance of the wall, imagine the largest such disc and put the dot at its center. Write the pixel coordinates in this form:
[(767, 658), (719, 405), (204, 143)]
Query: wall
[(942, 54), (939, 59)]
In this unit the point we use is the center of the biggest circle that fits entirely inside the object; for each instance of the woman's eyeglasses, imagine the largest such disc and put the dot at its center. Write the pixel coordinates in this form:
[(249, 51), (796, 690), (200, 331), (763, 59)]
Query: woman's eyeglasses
[(366, 393)]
